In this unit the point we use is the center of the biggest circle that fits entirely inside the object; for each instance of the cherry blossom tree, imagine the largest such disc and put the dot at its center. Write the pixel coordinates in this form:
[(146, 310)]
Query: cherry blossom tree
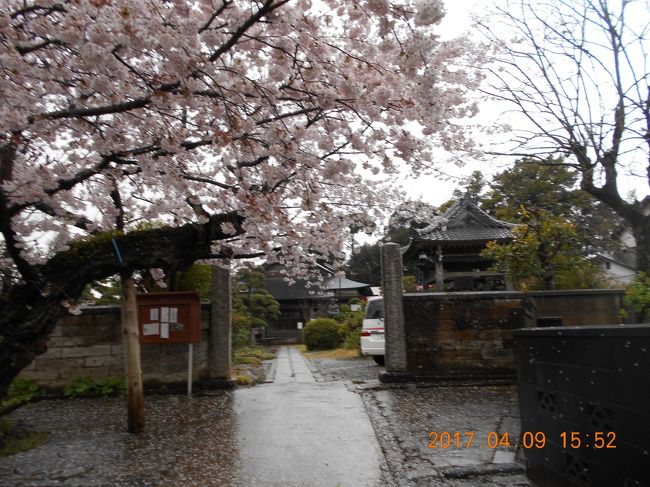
[(144, 134)]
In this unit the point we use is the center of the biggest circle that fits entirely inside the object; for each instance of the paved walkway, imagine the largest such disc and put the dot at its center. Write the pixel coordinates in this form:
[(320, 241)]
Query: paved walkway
[(296, 432)]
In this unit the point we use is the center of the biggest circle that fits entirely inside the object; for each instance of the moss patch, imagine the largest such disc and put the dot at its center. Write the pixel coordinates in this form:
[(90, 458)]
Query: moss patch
[(15, 440)]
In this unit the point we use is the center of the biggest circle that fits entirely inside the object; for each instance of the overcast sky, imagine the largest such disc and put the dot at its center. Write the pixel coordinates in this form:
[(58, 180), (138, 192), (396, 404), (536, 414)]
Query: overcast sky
[(438, 189)]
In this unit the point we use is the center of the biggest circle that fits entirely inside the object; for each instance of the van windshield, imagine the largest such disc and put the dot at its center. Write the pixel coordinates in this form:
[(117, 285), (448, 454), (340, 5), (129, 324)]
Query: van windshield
[(375, 309)]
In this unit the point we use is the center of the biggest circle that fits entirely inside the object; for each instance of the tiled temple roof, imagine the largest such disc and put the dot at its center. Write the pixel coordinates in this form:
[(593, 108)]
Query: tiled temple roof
[(465, 221)]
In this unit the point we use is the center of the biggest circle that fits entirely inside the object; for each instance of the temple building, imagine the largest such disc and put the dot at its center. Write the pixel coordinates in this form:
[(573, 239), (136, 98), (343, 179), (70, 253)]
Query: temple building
[(300, 302), (448, 255)]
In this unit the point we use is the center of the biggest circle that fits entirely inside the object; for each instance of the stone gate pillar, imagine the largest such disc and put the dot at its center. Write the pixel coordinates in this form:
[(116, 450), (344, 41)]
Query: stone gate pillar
[(392, 286), (220, 325)]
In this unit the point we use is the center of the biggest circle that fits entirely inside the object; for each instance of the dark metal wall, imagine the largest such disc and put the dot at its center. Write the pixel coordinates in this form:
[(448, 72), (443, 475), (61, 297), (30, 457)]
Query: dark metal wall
[(582, 387)]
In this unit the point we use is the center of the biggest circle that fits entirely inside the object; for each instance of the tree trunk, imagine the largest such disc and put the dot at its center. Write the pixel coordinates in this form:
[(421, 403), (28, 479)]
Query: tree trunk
[(547, 270), (30, 309), (131, 340), (26, 320), (641, 233)]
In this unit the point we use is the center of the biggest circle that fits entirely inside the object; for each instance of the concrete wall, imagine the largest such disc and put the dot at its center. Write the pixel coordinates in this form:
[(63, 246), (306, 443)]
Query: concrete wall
[(579, 307), (90, 345)]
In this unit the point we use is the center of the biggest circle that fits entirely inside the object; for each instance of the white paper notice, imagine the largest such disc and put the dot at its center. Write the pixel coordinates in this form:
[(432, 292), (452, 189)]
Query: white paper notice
[(164, 330), (164, 315), (150, 329), (173, 315)]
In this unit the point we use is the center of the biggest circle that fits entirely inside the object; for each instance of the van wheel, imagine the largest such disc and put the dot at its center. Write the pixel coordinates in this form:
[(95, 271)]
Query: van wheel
[(379, 359)]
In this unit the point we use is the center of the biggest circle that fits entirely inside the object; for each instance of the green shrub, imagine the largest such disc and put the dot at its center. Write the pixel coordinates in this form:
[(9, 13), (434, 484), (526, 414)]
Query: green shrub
[(243, 380), (251, 355), (85, 386), (240, 336), (113, 386), (82, 386), (637, 299), (21, 391), (354, 319), (322, 334), (353, 340)]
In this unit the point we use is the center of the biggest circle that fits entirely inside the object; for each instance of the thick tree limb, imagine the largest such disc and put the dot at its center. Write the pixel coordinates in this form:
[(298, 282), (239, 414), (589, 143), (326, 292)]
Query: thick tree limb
[(36, 303)]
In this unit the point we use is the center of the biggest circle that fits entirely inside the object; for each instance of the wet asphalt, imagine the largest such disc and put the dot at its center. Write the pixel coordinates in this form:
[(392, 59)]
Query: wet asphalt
[(319, 423)]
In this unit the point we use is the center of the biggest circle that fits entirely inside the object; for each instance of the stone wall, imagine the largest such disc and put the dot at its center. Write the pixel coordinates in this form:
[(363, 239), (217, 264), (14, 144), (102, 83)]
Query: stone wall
[(454, 333), (470, 333), (90, 345)]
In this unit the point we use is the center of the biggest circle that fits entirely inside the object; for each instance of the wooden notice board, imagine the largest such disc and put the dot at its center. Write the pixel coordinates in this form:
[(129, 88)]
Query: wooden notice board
[(173, 317)]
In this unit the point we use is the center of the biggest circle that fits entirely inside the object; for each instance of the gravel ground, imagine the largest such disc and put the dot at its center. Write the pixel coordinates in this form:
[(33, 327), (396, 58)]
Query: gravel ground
[(192, 441), (89, 446), (357, 369)]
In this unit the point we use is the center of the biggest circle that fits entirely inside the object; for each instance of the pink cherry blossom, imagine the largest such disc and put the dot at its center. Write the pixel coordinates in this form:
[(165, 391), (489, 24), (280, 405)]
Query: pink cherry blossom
[(138, 110)]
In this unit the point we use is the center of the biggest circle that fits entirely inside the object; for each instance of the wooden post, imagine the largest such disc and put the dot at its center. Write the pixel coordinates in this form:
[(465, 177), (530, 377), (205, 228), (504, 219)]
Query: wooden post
[(130, 339), (190, 361)]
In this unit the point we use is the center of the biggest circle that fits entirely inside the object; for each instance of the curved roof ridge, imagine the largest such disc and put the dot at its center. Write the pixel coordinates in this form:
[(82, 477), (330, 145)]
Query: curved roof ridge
[(465, 220)]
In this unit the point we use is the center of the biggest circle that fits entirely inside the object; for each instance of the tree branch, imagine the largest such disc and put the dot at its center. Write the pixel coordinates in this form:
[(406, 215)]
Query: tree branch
[(268, 7)]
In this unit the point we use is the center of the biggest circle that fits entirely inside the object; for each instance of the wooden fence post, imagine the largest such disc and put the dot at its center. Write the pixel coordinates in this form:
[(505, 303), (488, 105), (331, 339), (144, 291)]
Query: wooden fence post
[(131, 341)]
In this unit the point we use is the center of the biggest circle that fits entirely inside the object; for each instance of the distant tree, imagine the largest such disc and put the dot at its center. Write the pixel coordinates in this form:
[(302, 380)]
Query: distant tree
[(364, 265), (252, 304), (544, 254), (577, 71), (474, 185), (535, 186), (197, 278), (532, 187)]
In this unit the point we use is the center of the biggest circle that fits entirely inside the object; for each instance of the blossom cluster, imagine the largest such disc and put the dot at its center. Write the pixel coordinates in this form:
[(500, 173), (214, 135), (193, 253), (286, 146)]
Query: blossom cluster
[(126, 111)]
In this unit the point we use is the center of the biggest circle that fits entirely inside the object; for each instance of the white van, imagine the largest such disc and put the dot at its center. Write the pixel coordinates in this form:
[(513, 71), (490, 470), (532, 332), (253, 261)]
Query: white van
[(372, 330)]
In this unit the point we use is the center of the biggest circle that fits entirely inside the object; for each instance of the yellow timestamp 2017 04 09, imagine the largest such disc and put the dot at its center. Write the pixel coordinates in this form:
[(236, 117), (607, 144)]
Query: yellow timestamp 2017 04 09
[(528, 439)]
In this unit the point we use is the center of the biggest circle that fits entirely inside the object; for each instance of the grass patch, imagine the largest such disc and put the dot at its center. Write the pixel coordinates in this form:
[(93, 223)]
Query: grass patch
[(243, 380), (252, 355), (247, 365), (339, 353), (16, 440)]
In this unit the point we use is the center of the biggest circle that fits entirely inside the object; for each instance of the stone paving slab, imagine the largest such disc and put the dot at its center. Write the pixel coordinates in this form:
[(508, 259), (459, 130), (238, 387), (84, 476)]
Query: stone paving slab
[(415, 425), (296, 432)]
